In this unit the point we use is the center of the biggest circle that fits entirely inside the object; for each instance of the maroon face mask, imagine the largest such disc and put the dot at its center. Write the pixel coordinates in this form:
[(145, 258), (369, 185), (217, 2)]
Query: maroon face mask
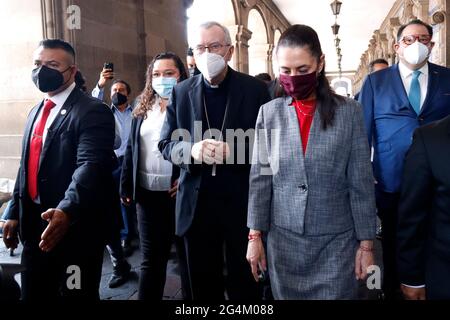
[(299, 87)]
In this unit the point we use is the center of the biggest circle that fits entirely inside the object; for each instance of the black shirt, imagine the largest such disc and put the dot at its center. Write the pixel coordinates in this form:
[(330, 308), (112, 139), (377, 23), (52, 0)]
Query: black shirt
[(216, 101), (216, 98)]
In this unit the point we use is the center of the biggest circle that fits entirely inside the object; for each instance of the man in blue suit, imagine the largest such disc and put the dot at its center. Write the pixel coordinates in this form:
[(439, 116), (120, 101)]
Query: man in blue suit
[(396, 101)]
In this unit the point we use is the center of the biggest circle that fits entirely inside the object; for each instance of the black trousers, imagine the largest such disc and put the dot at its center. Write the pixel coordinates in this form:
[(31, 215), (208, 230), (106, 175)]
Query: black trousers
[(218, 239), (387, 208), (156, 223), (114, 244), (72, 270), (129, 231)]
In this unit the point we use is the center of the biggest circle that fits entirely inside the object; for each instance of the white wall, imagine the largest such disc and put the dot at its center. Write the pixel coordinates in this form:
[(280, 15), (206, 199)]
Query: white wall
[(20, 22)]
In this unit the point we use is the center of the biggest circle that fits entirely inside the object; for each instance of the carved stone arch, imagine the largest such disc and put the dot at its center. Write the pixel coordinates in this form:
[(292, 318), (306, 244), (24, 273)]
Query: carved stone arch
[(259, 45), (265, 19), (276, 36), (237, 10)]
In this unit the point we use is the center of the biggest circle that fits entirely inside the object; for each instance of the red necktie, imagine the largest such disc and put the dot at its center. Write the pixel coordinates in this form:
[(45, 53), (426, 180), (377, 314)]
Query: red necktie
[(36, 148)]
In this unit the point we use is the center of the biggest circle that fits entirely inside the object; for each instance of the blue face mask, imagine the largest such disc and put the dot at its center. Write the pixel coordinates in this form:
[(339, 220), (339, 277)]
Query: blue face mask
[(163, 86)]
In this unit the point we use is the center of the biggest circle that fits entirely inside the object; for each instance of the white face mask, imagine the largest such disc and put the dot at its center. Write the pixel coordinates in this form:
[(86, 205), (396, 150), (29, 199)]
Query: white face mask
[(210, 64), (416, 53)]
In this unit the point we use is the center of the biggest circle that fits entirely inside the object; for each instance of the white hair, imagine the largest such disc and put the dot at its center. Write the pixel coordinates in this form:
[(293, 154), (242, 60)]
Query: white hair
[(210, 24)]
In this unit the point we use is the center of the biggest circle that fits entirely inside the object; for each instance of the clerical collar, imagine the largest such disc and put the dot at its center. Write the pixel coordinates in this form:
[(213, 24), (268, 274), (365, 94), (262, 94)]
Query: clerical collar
[(220, 85)]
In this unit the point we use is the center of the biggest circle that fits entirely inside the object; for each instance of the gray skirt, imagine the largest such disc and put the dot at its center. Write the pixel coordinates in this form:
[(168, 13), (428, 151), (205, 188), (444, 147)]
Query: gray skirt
[(312, 267)]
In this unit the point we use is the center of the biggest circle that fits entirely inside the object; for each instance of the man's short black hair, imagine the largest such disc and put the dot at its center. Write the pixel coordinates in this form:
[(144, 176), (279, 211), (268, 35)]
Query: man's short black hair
[(189, 52), (58, 44), (415, 21), (377, 61), (124, 82)]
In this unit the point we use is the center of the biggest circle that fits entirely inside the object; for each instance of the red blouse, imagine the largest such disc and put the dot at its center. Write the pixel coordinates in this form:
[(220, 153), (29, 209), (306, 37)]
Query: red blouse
[(305, 114)]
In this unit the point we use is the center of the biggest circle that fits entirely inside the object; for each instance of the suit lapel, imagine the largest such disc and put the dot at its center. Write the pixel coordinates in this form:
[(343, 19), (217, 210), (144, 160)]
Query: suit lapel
[(313, 139), (196, 98), (400, 88), (137, 133), (137, 143), (29, 129), (60, 117), (137, 140), (432, 86)]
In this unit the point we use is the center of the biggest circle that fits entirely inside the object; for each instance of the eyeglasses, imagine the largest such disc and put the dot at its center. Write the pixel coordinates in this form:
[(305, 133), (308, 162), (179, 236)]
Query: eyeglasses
[(423, 38), (213, 47)]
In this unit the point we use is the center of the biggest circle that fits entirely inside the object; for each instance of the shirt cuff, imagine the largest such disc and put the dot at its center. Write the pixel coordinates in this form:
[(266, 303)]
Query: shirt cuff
[(97, 92), (414, 287)]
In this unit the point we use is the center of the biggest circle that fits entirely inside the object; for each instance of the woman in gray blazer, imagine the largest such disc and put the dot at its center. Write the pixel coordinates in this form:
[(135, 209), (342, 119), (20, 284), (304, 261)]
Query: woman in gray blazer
[(311, 182)]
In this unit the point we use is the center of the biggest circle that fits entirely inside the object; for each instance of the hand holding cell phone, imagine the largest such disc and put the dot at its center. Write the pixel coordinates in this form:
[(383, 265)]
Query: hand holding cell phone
[(106, 74), (108, 66)]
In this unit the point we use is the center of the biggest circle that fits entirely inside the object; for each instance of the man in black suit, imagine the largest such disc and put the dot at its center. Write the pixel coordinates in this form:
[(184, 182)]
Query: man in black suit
[(423, 231), (62, 201), (211, 206)]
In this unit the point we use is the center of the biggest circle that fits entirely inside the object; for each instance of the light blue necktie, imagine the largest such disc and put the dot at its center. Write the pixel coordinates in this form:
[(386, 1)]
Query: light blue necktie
[(414, 91)]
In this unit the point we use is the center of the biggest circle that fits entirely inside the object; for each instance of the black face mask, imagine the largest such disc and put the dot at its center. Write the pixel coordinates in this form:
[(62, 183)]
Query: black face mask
[(47, 79), (118, 99)]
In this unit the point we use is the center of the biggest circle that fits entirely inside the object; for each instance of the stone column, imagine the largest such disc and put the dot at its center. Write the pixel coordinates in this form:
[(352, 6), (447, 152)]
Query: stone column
[(422, 10), (54, 19), (408, 11), (241, 35), (270, 60), (384, 46), (141, 38), (372, 50), (395, 25)]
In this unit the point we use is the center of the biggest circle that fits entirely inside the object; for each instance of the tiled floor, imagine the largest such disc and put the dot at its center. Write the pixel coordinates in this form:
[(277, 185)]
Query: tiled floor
[(128, 291)]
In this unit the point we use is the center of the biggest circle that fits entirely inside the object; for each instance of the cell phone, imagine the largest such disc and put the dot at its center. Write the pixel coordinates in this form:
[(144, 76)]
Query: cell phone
[(108, 65)]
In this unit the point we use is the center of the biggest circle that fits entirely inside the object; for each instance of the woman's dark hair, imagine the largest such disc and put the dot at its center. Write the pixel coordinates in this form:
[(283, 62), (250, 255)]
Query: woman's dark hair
[(148, 95), (305, 37)]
